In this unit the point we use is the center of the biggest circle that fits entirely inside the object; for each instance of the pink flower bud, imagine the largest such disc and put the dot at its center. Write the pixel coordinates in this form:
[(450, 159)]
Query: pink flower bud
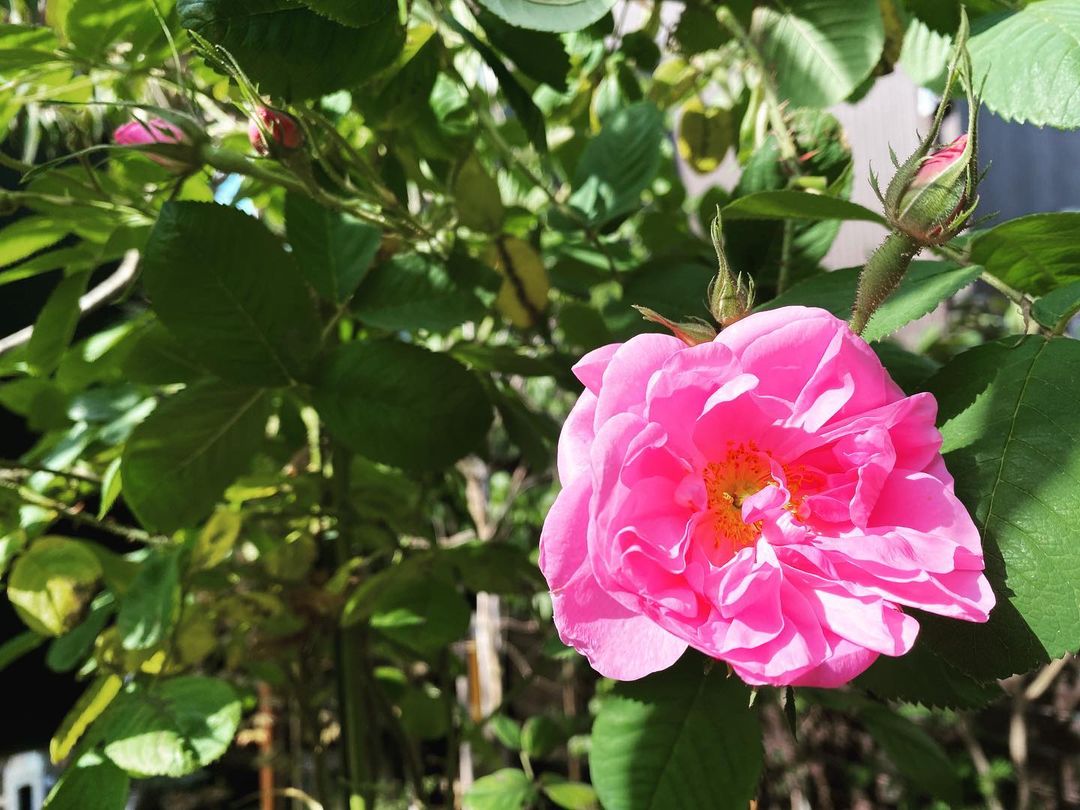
[(155, 131), (929, 195), (937, 163), (283, 131)]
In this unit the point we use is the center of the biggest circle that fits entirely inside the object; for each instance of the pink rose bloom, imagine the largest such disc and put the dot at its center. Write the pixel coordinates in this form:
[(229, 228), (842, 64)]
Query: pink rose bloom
[(770, 498), (157, 130)]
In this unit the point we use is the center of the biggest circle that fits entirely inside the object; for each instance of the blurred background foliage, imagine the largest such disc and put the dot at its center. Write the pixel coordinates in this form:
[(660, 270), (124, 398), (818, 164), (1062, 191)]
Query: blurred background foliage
[(278, 425)]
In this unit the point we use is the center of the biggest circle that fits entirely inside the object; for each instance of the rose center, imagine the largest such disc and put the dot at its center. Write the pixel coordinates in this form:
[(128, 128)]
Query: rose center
[(744, 471)]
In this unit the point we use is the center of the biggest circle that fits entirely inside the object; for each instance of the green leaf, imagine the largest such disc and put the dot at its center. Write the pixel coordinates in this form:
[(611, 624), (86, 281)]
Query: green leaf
[(909, 370), (922, 676), (157, 358), (415, 291), (539, 55), (550, 15), (28, 235), (1035, 253), (152, 604), (422, 614), (476, 194), (401, 404), (925, 55), (171, 728), (819, 51), (95, 27), (541, 735), (1011, 429), (334, 250), (55, 325), (917, 756), (925, 285), (228, 291), (93, 783), (17, 646), (618, 164), (51, 585), (1057, 307), (570, 795), (506, 730), (349, 12), (293, 52), (519, 99), (1031, 61), (508, 789), (796, 205), (87, 709), (684, 737), (676, 289), (179, 461)]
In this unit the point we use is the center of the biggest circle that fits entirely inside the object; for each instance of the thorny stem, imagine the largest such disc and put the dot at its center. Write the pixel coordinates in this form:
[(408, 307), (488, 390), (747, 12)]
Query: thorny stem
[(880, 276)]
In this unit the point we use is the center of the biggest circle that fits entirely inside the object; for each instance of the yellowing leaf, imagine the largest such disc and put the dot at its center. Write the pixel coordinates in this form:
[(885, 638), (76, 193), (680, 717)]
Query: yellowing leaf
[(523, 295), (86, 710), (195, 637), (52, 584), (216, 540), (705, 135), (479, 204)]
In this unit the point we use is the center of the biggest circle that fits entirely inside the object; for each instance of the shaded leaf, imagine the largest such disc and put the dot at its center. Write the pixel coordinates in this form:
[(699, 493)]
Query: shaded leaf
[(292, 52), (177, 463), (402, 405), (618, 164), (333, 250), (227, 290), (152, 604)]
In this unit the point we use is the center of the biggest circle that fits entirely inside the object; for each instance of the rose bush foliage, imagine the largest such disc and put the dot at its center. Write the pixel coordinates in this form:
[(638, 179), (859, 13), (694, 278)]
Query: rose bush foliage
[(296, 298)]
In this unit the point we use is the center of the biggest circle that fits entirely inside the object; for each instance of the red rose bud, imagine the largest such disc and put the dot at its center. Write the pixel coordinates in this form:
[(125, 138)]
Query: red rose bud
[(176, 155), (274, 133)]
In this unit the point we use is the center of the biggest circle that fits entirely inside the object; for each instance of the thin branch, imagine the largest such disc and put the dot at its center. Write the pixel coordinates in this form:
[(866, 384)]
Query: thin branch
[(76, 515), (22, 469), (100, 295)]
